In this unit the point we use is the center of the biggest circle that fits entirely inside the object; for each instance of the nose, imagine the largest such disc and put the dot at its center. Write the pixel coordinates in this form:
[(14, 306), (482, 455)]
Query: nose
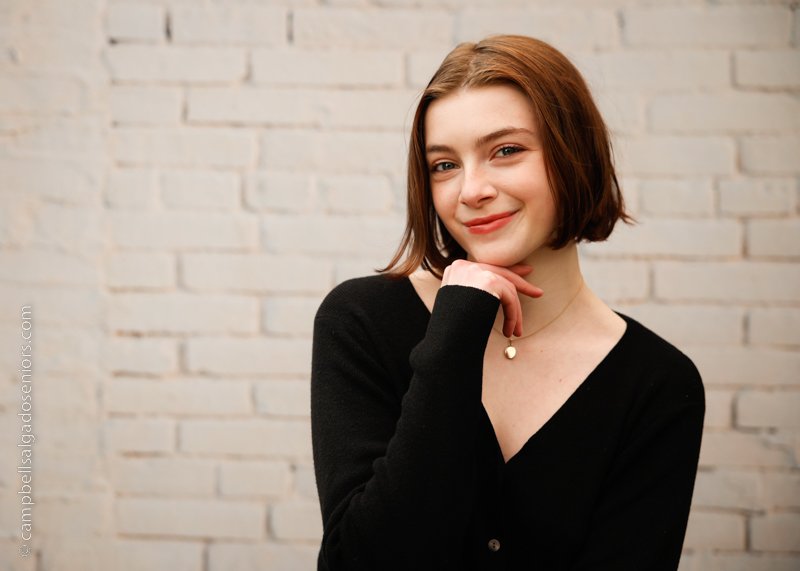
[(476, 189)]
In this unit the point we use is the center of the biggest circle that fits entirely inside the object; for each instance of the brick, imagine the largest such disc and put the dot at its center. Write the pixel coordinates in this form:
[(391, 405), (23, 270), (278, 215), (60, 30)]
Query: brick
[(355, 193), (190, 518), (143, 555), (200, 190), (247, 356), (296, 520), (768, 409), (719, 408), (290, 315), (773, 238), (224, 24), (176, 64), (723, 26), (796, 33), (250, 557), (725, 112), (776, 68), (79, 138), (46, 178), (693, 324), (254, 478), (67, 307), (52, 268), (122, 555), (622, 111), (246, 437), (183, 230), (283, 397), (67, 417), (330, 68), (367, 109), (40, 95), (146, 105), (331, 235), (186, 146), (706, 561), (709, 530), (280, 191), (744, 366), (666, 155), (182, 313), (257, 273), (674, 237), (737, 449), (18, 219), (421, 65), (758, 197), (139, 435), (131, 21), (727, 489), (771, 155), (573, 27), (639, 70), (69, 229), (373, 109), (255, 106), (775, 532), (357, 28), (774, 326), (617, 280), (55, 37), (340, 152), (182, 397), (163, 476), (781, 490), (727, 281), (74, 517), (139, 270), (141, 355), (305, 482), (132, 189), (669, 197)]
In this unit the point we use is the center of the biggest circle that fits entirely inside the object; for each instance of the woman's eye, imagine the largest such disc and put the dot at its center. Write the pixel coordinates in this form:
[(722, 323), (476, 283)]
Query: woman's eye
[(443, 166), (508, 150)]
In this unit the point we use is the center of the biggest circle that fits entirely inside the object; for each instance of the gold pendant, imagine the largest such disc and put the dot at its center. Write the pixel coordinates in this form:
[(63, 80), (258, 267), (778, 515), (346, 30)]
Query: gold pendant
[(510, 352)]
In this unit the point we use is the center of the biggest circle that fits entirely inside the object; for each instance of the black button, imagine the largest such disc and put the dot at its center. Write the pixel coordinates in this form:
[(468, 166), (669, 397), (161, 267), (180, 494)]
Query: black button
[(494, 544)]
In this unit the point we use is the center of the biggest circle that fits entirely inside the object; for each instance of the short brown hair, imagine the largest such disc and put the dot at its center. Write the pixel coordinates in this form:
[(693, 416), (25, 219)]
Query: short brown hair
[(576, 146)]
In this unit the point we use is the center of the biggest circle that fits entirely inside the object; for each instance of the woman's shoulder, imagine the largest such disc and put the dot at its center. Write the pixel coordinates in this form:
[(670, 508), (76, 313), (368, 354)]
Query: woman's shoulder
[(663, 365), (367, 295)]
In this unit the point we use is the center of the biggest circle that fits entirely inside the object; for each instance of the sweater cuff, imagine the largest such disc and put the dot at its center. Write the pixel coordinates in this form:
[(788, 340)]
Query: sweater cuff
[(459, 327)]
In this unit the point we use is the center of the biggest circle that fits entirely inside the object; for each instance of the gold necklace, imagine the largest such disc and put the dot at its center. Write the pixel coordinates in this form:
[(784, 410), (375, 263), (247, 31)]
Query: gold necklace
[(510, 352)]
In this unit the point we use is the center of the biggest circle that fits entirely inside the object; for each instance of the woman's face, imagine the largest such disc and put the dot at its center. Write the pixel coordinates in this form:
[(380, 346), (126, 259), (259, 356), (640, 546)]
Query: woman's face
[(485, 160)]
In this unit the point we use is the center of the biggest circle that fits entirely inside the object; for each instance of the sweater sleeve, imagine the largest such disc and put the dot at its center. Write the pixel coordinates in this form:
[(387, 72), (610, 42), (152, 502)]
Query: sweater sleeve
[(395, 480), (640, 521)]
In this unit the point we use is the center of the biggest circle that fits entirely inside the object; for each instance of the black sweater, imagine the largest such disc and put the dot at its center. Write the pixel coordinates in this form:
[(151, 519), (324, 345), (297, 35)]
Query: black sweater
[(410, 474)]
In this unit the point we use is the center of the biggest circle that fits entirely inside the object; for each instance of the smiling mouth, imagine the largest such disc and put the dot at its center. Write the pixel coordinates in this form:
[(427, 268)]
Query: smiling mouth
[(489, 223)]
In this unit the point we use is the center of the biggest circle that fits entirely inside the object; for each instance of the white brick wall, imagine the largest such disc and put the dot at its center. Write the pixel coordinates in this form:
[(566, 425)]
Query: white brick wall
[(183, 182)]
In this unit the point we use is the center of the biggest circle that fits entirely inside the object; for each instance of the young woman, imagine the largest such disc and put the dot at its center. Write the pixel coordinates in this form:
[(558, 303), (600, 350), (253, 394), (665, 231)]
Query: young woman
[(476, 405)]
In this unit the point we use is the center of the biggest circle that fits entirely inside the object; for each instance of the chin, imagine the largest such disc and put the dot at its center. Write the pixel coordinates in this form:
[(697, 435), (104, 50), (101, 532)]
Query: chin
[(502, 259)]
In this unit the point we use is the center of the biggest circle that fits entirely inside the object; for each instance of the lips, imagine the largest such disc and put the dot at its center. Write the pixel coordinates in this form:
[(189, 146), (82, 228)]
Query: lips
[(487, 224)]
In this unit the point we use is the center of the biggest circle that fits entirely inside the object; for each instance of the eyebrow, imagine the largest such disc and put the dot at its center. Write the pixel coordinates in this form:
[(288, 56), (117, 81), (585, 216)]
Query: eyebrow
[(483, 139)]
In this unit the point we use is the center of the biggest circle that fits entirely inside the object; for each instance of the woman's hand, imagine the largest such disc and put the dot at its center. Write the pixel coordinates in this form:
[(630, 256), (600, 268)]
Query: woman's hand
[(503, 283)]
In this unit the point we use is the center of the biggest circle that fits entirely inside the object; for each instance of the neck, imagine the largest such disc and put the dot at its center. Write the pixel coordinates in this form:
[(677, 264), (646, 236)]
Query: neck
[(558, 273)]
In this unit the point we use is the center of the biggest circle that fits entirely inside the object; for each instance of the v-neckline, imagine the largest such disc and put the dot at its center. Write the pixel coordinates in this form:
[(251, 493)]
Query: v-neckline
[(580, 389), (595, 373)]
